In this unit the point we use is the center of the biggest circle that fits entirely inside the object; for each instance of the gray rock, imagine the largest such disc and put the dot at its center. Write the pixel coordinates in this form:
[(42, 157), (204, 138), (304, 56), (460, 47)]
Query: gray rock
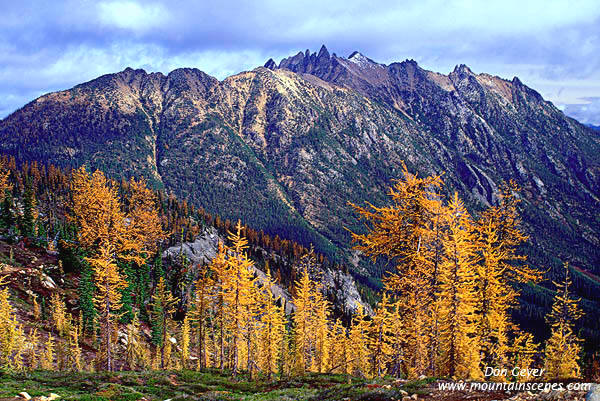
[(594, 393), (201, 251), (205, 247), (47, 282)]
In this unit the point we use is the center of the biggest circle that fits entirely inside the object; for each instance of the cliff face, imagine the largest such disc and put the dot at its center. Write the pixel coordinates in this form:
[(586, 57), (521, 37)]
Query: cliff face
[(286, 146)]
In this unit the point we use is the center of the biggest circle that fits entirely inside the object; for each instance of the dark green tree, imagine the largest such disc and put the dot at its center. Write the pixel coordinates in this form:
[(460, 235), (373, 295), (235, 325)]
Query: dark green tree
[(142, 289), (126, 311), (86, 297), (28, 222)]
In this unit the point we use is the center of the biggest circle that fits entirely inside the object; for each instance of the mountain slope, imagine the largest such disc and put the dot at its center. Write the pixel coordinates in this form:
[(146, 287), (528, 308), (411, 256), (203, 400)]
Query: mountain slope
[(286, 146)]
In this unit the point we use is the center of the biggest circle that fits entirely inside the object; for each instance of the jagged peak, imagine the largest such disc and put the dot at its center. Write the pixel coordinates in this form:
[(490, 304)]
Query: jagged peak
[(135, 71), (323, 52), (463, 69), (360, 59), (270, 64)]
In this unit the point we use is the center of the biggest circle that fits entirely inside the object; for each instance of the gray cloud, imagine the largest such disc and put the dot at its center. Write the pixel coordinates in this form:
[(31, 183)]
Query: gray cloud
[(46, 46), (587, 113)]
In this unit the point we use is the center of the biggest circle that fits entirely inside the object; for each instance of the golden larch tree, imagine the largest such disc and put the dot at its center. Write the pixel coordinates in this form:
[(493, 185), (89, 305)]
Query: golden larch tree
[(359, 344), (457, 306), (322, 330), (12, 337), (241, 299), (499, 235), (272, 329), (381, 337), (4, 180), (97, 212), (303, 319), (404, 233), (200, 310), (144, 227), (563, 349), (107, 298)]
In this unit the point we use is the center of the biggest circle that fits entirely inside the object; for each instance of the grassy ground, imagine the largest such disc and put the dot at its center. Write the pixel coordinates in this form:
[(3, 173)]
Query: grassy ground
[(190, 385)]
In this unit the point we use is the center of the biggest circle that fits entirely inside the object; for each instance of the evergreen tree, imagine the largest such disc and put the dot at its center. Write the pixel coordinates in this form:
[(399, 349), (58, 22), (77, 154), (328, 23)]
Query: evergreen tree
[(126, 312), (28, 221), (8, 218), (163, 306), (86, 297)]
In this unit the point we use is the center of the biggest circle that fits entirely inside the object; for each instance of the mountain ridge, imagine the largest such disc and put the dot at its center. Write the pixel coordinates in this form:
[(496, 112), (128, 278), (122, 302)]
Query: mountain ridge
[(315, 123)]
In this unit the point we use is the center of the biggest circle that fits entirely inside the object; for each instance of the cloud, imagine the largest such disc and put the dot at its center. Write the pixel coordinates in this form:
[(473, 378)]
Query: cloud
[(586, 113), (47, 46), (133, 16)]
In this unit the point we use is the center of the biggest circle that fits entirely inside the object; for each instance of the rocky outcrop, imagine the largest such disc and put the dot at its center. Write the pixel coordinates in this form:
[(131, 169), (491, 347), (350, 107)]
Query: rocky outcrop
[(204, 248)]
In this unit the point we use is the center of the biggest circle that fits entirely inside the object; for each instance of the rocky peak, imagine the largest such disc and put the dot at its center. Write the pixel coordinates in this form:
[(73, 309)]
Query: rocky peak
[(271, 64), (461, 72), (361, 60), (323, 53), (307, 62)]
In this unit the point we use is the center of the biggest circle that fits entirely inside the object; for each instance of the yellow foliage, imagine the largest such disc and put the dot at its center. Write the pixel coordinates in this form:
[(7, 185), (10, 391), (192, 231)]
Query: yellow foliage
[(4, 183), (137, 356), (185, 342), (47, 362), (59, 314), (523, 350), (32, 353), (381, 338), (272, 329), (107, 297), (37, 312), (199, 311), (456, 298), (12, 338), (240, 301), (97, 212), (358, 343), (74, 350), (144, 229), (563, 349)]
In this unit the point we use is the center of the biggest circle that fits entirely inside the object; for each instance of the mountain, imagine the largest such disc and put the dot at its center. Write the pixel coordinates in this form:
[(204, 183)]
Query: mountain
[(286, 146)]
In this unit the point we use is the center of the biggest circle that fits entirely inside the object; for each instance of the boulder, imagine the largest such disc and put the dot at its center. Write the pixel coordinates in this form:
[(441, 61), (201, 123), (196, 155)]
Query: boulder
[(47, 282), (594, 393)]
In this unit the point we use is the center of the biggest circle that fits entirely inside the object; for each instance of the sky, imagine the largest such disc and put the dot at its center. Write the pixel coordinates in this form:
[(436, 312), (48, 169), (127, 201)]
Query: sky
[(552, 46)]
